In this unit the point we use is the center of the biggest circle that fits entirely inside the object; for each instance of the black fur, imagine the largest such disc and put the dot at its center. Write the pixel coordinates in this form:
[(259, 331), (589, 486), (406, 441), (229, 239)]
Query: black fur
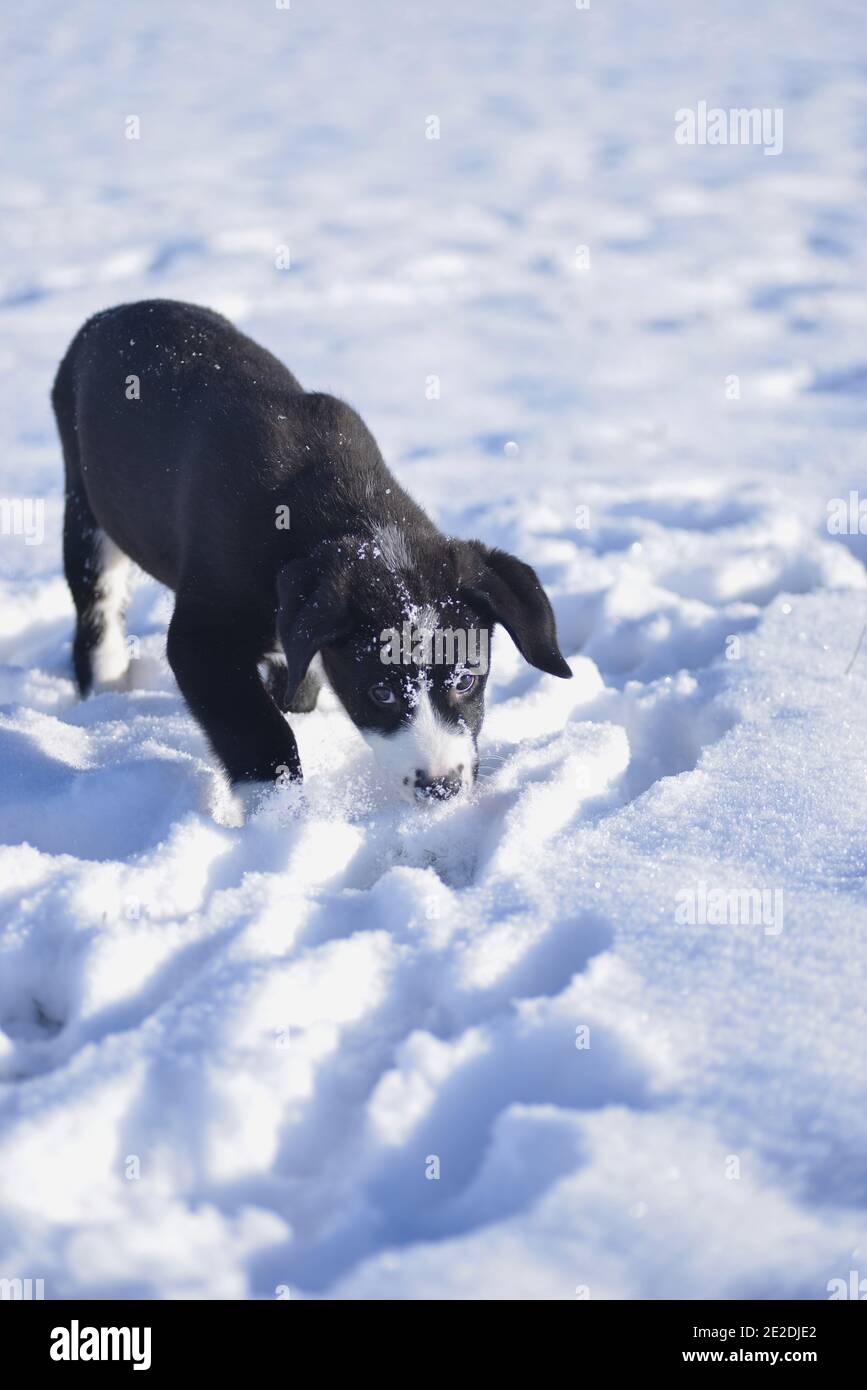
[(187, 480)]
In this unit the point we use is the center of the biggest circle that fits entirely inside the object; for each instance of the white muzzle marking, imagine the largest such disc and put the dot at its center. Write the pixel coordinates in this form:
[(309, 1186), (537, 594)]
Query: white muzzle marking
[(426, 748)]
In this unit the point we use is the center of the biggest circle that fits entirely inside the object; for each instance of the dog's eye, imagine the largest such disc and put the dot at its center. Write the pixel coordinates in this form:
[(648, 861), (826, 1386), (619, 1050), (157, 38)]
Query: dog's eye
[(382, 695), (463, 684)]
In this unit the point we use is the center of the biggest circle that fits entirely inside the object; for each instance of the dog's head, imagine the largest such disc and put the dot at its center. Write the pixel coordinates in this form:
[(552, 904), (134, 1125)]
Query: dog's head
[(404, 629)]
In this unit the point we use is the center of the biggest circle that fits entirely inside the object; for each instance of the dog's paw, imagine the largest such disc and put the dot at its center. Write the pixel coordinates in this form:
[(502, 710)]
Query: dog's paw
[(252, 797), (118, 683), (266, 803), (235, 805), (305, 697)]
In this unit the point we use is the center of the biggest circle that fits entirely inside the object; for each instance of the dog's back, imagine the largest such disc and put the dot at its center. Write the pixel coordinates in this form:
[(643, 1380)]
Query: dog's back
[(200, 454)]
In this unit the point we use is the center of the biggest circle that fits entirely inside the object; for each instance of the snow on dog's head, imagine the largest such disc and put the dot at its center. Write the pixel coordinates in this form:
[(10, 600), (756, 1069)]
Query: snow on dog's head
[(403, 622)]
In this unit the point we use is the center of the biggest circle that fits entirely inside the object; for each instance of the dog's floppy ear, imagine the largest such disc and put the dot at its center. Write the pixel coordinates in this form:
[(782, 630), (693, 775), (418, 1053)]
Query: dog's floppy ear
[(509, 592), (312, 613)]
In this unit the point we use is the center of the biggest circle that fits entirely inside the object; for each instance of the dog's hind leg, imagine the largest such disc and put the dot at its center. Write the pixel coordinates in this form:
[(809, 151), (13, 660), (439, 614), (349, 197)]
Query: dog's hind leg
[(305, 697), (277, 685), (97, 572), (98, 575)]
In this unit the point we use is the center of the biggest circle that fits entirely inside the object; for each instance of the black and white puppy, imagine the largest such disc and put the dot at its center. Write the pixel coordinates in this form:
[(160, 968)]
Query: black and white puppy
[(269, 511)]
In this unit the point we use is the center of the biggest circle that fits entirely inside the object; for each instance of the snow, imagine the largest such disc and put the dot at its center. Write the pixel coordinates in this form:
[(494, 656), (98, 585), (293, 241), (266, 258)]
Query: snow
[(233, 1059)]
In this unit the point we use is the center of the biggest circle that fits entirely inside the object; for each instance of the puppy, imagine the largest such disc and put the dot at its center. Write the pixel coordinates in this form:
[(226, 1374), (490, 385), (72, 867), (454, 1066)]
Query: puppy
[(290, 547)]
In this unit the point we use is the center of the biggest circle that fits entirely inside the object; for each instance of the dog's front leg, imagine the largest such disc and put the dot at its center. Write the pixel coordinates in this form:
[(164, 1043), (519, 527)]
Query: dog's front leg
[(217, 670)]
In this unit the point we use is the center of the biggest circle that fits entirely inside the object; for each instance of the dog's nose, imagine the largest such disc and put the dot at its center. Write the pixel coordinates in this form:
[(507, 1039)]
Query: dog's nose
[(438, 788)]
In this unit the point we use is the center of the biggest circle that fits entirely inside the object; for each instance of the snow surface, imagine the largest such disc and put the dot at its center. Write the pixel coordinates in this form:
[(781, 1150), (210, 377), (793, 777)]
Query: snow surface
[(230, 1056)]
